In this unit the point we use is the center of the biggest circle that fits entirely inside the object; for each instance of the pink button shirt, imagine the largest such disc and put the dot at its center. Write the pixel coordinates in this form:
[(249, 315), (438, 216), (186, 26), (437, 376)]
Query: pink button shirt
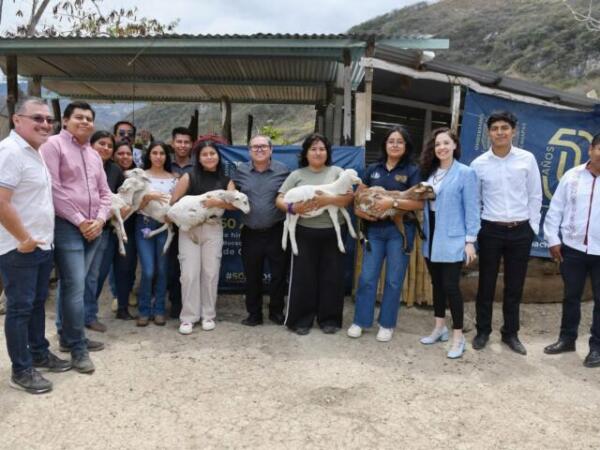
[(79, 188)]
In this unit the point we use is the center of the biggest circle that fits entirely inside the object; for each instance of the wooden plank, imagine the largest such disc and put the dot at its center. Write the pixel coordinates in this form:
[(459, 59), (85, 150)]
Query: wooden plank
[(249, 128), (337, 119), (226, 119), (12, 87), (455, 108), (34, 86), (347, 121), (360, 116)]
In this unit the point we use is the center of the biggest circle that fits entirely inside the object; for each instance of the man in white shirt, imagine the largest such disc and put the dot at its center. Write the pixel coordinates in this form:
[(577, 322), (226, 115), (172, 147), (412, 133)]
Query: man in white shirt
[(511, 196), (574, 216), (26, 238)]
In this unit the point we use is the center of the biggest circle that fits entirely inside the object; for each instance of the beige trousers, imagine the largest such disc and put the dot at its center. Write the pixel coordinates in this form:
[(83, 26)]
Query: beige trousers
[(200, 264)]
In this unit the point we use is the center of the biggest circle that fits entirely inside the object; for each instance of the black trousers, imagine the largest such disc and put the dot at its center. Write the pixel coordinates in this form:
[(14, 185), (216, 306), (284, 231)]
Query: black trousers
[(317, 280), (445, 279), (174, 275), (258, 246), (575, 268), (513, 244)]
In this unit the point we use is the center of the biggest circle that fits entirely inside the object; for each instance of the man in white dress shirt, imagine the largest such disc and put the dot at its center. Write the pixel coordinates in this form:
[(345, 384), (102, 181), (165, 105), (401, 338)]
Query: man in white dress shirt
[(511, 196), (575, 214)]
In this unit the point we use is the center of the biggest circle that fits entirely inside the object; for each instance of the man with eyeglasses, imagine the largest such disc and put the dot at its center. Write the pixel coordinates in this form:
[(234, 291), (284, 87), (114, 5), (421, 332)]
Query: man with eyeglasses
[(125, 131), (82, 201), (26, 238), (262, 229)]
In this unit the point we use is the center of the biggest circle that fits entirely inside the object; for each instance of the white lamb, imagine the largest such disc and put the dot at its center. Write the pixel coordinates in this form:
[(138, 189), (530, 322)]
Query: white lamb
[(342, 185), (128, 195), (189, 211)]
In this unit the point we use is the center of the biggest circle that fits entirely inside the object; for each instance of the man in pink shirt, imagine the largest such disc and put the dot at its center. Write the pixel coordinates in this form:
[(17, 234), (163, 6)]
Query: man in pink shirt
[(82, 204)]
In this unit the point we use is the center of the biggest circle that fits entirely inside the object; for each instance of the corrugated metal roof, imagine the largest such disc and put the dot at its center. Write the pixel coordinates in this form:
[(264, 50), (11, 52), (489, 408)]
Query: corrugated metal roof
[(294, 68)]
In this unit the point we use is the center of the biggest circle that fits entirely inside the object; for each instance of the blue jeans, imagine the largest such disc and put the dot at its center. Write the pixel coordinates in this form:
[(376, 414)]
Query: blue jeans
[(386, 243), (74, 256), (25, 277), (95, 280), (154, 263)]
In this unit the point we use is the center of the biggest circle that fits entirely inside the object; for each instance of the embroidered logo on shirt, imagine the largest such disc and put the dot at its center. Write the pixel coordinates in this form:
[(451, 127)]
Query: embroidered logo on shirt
[(401, 178), (375, 175)]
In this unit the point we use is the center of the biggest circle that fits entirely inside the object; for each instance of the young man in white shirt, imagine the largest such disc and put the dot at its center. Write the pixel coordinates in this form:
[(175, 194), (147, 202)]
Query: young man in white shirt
[(511, 196), (575, 213), (26, 237)]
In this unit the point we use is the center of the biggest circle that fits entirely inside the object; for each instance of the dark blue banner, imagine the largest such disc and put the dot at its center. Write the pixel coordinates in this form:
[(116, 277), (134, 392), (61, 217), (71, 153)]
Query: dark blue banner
[(558, 138), (232, 274)]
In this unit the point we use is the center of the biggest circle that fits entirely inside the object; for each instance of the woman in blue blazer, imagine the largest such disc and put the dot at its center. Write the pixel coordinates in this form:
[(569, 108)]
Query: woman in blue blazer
[(451, 224)]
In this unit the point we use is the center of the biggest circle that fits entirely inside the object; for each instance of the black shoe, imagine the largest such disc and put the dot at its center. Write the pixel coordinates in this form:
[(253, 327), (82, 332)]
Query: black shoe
[(592, 359), (480, 341), (560, 346), (252, 321), (52, 363), (92, 346), (31, 381), (277, 318), (302, 331), (83, 363), (330, 329), (124, 315), (514, 344)]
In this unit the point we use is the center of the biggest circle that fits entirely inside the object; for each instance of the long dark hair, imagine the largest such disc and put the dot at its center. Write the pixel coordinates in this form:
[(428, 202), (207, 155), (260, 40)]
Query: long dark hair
[(408, 145), (166, 149), (430, 162), (198, 146), (308, 142)]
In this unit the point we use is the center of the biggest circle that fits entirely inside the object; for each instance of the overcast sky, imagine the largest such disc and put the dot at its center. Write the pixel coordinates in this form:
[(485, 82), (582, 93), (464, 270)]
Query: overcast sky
[(245, 16)]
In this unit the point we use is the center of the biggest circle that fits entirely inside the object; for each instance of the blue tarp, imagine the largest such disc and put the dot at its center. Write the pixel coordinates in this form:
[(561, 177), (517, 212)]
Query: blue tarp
[(558, 138)]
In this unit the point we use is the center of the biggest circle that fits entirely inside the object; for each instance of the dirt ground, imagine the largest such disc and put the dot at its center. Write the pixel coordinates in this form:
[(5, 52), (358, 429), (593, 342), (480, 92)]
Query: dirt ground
[(264, 387)]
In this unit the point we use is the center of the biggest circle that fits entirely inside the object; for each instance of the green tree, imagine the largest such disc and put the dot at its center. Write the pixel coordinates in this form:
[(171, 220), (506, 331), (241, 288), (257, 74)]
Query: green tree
[(84, 18)]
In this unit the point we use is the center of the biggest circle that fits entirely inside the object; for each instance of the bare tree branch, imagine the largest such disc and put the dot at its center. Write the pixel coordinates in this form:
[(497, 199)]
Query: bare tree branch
[(36, 16)]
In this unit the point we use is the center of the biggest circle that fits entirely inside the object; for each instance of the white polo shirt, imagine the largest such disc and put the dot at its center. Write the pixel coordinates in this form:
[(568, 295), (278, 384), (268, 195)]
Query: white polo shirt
[(23, 171), (510, 187), (575, 212)]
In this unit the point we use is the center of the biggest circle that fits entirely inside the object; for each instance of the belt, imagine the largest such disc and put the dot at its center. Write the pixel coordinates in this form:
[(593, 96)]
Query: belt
[(512, 224)]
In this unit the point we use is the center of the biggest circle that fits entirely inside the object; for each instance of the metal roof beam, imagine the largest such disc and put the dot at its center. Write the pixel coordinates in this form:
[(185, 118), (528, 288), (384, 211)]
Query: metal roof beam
[(190, 81), (414, 43)]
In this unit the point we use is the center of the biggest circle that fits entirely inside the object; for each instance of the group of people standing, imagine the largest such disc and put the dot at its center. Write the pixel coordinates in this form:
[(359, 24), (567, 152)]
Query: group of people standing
[(55, 196)]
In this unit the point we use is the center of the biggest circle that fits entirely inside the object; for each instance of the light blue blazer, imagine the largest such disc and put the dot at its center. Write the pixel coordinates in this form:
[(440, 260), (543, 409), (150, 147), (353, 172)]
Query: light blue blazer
[(457, 215)]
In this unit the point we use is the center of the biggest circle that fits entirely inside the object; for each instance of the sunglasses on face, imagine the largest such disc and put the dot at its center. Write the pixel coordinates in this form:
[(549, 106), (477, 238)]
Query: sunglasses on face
[(39, 119), (124, 133)]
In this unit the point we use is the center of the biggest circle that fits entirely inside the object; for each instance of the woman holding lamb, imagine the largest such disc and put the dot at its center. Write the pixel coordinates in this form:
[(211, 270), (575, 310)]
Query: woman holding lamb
[(451, 225), (200, 248), (316, 287), (393, 172)]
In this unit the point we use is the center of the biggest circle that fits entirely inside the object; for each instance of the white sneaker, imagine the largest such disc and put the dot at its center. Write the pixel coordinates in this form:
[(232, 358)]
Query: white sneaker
[(384, 334), (114, 307), (186, 327), (354, 331), (208, 324)]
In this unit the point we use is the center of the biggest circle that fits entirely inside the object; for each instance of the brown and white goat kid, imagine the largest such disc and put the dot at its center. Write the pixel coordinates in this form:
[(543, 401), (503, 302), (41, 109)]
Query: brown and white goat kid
[(365, 199), (342, 185)]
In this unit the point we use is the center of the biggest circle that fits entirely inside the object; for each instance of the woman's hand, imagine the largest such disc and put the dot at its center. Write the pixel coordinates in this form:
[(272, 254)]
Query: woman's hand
[(305, 207), (364, 215), (382, 205), (470, 253)]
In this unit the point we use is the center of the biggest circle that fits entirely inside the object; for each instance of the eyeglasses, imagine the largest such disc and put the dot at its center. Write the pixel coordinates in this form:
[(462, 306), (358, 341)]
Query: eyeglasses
[(259, 148), (37, 118), (124, 133)]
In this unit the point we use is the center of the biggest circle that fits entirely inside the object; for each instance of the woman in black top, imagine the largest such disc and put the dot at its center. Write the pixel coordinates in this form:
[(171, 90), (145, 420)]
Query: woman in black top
[(200, 248)]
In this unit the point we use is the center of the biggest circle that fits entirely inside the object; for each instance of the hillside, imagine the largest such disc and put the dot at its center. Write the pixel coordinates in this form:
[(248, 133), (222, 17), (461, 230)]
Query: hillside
[(538, 40)]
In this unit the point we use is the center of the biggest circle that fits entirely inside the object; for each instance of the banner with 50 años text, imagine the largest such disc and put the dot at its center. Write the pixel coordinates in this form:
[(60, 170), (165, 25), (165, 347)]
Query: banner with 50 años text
[(232, 274), (558, 138)]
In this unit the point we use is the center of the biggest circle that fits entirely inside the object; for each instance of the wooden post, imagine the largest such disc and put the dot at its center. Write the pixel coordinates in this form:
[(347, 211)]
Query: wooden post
[(249, 128), (369, 53), (347, 121), (34, 86), (455, 108), (193, 126), (337, 120), (360, 127), (226, 119), (12, 87), (427, 127), (320, 119)]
